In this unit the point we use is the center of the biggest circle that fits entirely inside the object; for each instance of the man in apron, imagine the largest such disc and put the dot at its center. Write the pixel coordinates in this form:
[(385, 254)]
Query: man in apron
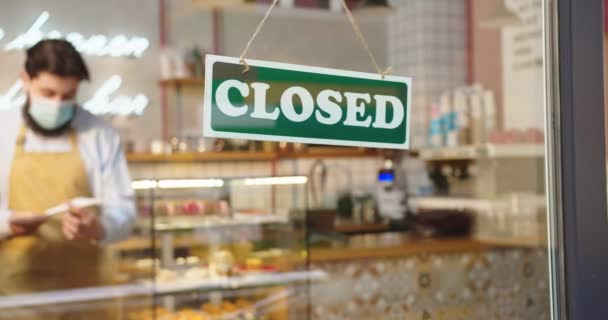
[(52, 151)]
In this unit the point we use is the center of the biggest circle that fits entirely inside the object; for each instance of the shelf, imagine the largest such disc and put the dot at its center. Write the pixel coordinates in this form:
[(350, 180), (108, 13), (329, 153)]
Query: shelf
[(183, 224), (183, 82), (251, 155), (200, 157), (148, 289), (455, 153), (250, 281), (489, 151), (144, 243), (328, 152), (453, 203), (516, 151), (476, 204), (75, 295)]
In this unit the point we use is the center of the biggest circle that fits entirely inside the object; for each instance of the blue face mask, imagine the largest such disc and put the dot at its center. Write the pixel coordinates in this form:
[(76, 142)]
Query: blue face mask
[(50, 114)]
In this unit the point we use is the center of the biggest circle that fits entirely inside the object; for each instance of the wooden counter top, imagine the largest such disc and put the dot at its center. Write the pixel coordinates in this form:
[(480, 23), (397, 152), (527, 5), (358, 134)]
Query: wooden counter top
[(370, 246), (395, 245), (360, 228), (310, 153)]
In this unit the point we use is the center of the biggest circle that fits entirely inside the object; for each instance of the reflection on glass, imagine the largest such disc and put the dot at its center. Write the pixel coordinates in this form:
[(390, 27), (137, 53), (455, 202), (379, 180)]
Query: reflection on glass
[(236, 229)]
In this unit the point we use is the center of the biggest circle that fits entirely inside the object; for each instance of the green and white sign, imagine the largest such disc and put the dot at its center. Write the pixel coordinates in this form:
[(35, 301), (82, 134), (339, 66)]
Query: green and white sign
[(292, 103)]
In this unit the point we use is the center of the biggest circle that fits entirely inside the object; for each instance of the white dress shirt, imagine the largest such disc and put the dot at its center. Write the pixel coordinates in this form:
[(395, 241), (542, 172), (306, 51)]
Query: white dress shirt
[(103, 158)]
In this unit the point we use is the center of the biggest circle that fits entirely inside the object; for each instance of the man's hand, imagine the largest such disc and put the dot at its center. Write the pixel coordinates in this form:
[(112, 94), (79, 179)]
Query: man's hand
[(23, 224), (81, 224)]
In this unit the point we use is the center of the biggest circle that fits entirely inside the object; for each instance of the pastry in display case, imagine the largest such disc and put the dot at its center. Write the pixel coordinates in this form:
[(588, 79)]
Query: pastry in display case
[(211, 255)]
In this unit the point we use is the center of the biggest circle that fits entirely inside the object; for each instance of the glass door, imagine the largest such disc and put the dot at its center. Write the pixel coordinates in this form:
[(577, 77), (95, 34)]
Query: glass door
[(497, 211)]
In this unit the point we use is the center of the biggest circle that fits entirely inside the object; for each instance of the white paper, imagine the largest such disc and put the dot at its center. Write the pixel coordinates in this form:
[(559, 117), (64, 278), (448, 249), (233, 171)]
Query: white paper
[(78, 203)]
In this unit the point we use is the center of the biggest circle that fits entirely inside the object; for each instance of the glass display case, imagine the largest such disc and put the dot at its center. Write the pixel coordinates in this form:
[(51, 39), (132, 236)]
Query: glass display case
[(196, 252), (214, 256)]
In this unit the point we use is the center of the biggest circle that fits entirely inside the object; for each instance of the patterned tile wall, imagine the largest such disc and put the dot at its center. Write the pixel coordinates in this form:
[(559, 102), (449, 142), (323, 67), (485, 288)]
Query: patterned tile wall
[(509, 284)]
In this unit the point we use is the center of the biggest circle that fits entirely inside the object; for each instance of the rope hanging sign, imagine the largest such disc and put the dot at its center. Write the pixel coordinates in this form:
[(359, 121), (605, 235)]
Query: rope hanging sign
[(263, 100), (353, 22)]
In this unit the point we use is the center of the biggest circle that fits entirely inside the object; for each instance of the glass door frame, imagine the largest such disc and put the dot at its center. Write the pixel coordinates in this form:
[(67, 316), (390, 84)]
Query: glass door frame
[(576, 158)]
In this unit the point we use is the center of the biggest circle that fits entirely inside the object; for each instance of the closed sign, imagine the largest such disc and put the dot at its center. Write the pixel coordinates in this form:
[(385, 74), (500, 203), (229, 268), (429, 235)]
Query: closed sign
[(292, 103)]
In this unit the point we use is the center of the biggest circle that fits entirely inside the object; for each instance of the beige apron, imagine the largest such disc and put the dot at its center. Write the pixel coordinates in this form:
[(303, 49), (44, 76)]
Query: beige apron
[(47, 260)]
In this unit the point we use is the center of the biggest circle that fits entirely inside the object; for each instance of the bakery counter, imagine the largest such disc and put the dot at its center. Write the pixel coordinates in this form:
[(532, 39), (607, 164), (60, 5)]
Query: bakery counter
[(415, 278)]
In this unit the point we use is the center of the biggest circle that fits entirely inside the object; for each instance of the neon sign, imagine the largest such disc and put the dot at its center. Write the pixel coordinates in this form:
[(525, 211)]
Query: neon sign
[(103, 101), (13, 97), (96, 45)]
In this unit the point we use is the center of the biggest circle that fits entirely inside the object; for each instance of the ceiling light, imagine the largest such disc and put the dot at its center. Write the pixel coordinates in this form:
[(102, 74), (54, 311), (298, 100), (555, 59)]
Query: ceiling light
[(275, 181), (190, 183), (144, 184)]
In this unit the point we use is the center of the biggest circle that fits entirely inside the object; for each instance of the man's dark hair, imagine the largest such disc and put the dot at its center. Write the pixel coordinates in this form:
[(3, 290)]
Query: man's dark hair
[(58, 57)]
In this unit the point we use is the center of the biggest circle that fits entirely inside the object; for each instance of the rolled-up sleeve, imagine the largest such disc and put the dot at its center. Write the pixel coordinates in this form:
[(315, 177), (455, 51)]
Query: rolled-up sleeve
[(118, 211)]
